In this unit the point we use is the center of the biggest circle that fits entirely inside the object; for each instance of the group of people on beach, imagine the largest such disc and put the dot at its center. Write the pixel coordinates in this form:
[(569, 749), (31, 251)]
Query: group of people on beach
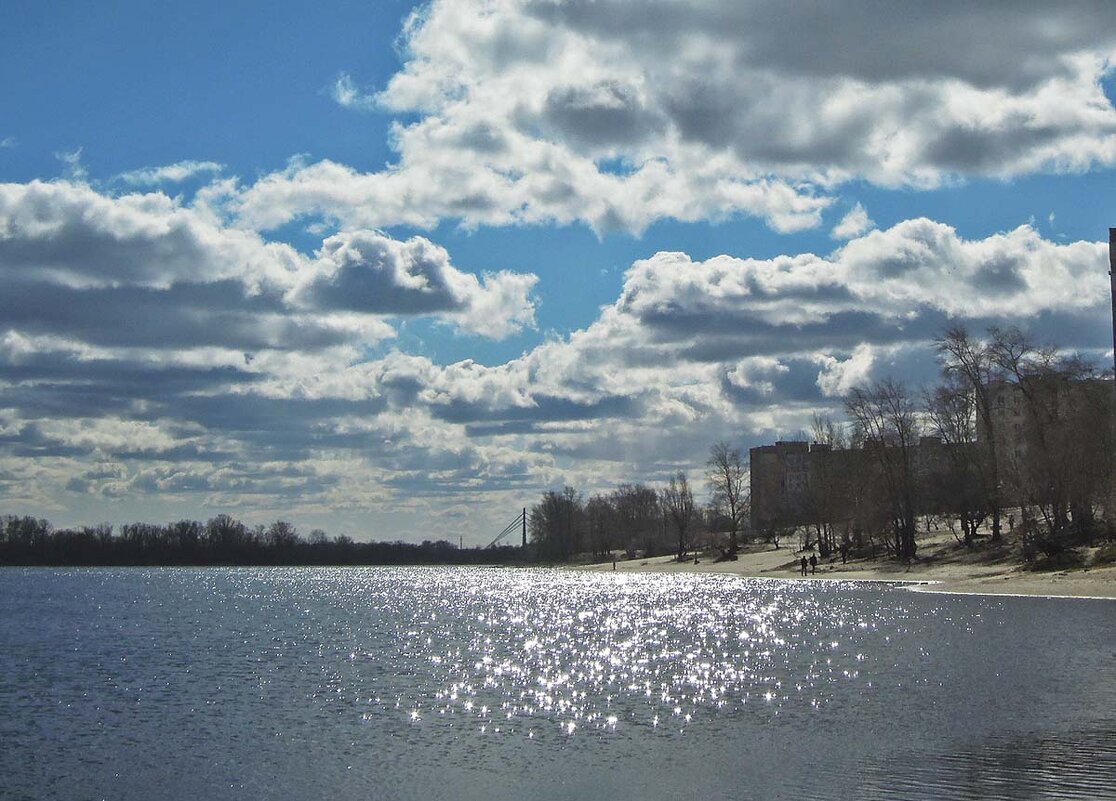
[(812, 563)]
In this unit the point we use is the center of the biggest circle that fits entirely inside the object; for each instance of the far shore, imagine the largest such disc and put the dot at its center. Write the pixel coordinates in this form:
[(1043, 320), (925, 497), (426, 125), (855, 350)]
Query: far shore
[(943, 566)]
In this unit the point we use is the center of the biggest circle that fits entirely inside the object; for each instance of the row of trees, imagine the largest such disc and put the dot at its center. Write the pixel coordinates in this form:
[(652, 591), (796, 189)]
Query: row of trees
[(1016, 425), (1012, 428), (1060, 467), (221, 540), (640, 518)]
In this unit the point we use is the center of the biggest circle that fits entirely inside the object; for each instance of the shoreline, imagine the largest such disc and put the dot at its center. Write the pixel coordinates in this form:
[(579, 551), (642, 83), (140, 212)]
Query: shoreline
[(946, 570)]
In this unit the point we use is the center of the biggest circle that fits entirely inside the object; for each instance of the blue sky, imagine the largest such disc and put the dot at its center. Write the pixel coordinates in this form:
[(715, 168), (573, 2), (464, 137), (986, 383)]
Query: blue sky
[(142, 83), (410, 265)]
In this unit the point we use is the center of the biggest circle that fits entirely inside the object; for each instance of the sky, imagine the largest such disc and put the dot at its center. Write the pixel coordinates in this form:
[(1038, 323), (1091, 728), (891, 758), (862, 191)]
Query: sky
[(394, 269)]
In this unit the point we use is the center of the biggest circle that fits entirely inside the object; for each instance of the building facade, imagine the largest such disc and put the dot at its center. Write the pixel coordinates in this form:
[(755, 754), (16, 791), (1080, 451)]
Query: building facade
[(798, 483), (1048, 431)]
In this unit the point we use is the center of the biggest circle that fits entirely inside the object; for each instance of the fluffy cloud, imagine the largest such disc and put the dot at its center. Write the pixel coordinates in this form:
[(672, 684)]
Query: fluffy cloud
[(916, 267), (70, 235), (690, 352), (853, 224), (838, 376), (618, 114), (175, 275), (369, 272), (148, 333)]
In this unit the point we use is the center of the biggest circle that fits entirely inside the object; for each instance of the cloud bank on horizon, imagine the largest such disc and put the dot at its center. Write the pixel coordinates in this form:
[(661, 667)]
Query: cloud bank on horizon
[(163, 353)]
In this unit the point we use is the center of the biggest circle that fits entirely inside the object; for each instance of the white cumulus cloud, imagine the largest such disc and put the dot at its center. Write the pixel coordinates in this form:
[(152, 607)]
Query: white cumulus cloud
[(149, 351), (617, 114), (853, 224)]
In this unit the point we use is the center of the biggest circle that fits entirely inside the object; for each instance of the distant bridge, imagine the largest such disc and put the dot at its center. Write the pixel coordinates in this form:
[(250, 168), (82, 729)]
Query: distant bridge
[(518, 523)]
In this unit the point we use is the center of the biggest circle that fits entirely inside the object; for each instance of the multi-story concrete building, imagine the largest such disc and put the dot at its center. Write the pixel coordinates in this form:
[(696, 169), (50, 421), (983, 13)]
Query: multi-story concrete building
[(1018, 410), (779, 477), (797, 483), (1048, 422)]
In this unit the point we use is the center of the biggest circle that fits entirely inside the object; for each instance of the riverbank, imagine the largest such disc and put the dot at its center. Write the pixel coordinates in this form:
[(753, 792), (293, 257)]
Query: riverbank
[(943, 566)]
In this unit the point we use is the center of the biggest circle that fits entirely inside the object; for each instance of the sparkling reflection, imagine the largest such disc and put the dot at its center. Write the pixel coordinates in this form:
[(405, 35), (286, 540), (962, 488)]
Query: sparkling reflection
[(418, 683), (591, 652)]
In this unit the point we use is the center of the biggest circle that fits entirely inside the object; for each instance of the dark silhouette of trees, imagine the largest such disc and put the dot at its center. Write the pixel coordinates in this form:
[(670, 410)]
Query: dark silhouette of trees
[(727, 478), (186, 535), (556, 524), (282, 535), (1061, 470), (961, 489), (223, 540), (600, 515), (886, 420), (562, 524), (678, 503), (638, 521), (227, 534), (971, 367)]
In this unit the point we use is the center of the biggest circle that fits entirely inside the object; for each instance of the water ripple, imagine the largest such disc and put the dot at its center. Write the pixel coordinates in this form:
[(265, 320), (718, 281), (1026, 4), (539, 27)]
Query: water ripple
[(401, 683)]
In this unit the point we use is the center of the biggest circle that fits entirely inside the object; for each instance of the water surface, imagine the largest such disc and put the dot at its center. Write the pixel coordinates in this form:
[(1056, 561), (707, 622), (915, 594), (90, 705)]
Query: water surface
[(426, 683)]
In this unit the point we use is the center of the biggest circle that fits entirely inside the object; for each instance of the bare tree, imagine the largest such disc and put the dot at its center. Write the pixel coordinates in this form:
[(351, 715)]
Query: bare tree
[(282, 534), (600, 514), (827, 493), (185, 534), (637, 518), (1062, 462), (887, 422), (678, 503), (974, 364), (556, 523), (727, 479), (959, 489), (825, 430), (226, 533)]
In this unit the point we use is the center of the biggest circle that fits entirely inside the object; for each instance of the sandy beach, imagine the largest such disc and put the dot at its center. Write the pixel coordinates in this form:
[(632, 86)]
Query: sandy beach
[(943, 566)]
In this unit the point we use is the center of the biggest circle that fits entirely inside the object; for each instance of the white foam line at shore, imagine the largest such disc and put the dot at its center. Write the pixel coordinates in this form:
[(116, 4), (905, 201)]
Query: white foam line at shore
[(931, 586), (926, 585), (931, 590)]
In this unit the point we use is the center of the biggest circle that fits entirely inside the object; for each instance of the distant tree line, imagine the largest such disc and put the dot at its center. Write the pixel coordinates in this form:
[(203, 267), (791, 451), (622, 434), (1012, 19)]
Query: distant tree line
[(641, 519), (222, 540), (1015, 432)]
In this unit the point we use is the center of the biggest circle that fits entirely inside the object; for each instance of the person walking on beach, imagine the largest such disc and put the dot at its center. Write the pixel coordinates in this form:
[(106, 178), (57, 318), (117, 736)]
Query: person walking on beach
[(802, 564), (813, 563)]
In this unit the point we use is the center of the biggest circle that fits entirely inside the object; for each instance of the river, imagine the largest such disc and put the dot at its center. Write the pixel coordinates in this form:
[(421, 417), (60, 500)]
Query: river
[(475, 683)]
